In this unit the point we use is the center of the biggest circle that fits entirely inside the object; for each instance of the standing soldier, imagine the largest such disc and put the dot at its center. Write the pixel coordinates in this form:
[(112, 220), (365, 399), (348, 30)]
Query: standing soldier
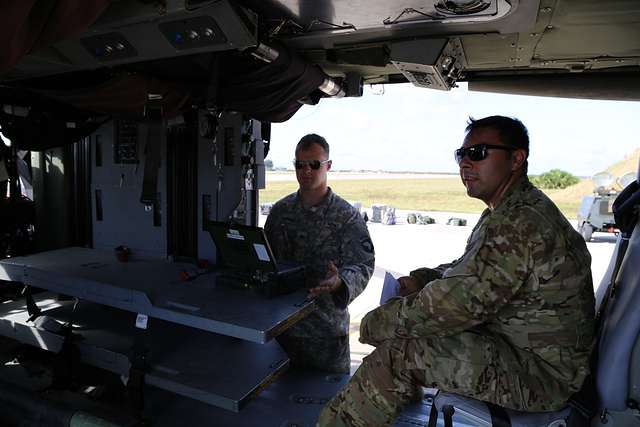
[(510, 322), (317, 228)]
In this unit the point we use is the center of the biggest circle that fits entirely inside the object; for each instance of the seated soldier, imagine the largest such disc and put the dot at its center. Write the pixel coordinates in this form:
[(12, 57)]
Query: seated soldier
[(510, 322)]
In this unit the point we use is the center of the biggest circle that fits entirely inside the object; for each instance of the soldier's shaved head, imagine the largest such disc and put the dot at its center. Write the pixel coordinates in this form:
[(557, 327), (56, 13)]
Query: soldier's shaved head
[(308, 140)]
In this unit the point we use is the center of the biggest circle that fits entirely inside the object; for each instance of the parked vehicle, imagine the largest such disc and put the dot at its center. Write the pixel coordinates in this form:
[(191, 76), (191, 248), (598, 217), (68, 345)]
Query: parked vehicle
[(595, 213)]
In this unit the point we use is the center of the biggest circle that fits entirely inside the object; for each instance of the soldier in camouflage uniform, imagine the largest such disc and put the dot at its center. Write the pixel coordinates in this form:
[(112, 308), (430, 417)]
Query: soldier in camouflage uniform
[(317, 228), (511, 322)]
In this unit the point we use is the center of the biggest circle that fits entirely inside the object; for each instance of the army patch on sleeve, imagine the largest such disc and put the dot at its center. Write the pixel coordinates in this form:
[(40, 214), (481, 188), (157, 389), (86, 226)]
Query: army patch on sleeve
[(367, 245)]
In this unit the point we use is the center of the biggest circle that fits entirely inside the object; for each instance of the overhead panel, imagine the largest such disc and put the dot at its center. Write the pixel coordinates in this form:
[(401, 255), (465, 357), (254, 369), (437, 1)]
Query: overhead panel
[(582, 36), (569, 37), (429, 63), (490, 50), (357, 36), (329, 24), (578, 28), (353, 15), (131, 32), (218, 26)]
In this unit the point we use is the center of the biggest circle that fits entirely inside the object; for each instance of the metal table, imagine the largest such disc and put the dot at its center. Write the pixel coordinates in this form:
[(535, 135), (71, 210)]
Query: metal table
[(153, 287)]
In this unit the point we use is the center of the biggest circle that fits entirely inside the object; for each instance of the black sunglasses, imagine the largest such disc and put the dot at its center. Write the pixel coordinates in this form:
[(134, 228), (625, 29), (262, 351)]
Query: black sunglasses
[(478, 152), (313, 164)]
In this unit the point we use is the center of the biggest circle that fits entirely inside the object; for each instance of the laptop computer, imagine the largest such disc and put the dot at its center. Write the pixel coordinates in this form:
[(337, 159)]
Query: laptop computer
[(247, 259)]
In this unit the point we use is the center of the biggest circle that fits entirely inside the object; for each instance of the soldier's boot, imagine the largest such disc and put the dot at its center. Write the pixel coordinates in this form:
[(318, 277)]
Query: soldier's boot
[(373, 397), (353, 407)]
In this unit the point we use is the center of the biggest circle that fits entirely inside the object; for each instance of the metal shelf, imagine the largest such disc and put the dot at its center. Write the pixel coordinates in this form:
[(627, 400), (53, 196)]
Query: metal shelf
[(154, 288)]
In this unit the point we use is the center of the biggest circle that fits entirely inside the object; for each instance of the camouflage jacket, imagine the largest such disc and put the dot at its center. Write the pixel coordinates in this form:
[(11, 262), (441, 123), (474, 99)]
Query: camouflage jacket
[(331, 231), (524, 279)]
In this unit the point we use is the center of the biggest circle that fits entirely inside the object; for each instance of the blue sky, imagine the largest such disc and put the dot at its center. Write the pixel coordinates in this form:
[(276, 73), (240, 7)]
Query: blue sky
[(413, 129)]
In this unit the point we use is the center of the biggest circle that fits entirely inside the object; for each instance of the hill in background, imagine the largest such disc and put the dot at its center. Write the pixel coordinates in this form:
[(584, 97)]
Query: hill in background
[(585, 187)]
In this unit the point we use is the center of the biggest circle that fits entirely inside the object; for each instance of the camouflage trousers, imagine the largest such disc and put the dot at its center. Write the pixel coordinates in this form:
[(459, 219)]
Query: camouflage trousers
[(395, 372), (329, 354)]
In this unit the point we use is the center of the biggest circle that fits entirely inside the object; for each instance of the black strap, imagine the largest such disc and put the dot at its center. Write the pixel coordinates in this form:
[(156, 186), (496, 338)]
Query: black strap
[(139, 359), (499, 416), (625, 211), (65, 362), (577, 419), (212, 88), (583, 403), (625, 208), (32, 308), (611, 287), (447, 412), (135, 389), (152, 138), (433, 415)]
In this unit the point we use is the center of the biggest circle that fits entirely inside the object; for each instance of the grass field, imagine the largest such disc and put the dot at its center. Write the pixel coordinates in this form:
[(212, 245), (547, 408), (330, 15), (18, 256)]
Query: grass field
[(434, 194)]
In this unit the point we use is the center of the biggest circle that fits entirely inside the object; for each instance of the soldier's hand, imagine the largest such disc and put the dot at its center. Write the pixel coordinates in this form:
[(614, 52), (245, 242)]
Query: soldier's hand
[(382, 323), (329, 284), (408, 285)]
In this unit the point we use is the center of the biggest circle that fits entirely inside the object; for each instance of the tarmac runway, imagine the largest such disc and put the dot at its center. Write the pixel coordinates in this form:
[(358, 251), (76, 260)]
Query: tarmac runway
[(344, 175)]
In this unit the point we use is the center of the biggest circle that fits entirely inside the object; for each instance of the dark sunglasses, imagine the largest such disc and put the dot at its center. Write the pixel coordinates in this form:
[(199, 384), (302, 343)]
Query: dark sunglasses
[(313, 164), (478, 152)]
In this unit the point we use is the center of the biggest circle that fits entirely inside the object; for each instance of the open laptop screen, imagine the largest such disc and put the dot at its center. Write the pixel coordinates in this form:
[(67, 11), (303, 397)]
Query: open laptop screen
[(242, 247)]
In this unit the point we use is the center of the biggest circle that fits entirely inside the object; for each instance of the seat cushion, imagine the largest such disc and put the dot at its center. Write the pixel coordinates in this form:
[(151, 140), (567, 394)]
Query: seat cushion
[(471, 408), (620, 330)]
